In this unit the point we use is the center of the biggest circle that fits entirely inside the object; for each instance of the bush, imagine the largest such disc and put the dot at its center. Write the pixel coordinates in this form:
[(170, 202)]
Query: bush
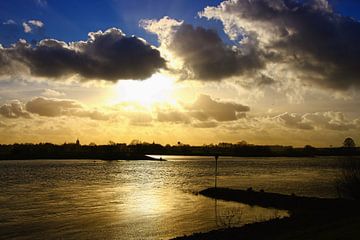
[(230, 218), (348, 184)]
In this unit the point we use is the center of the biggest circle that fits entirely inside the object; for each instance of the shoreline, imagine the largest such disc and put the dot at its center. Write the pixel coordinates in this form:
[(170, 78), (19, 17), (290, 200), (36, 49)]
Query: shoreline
[(310, 217), (52, 158)]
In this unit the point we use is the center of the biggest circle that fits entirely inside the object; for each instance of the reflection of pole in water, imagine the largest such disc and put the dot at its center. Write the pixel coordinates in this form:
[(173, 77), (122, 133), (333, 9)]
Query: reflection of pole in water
[(216, 164), (216, 213)]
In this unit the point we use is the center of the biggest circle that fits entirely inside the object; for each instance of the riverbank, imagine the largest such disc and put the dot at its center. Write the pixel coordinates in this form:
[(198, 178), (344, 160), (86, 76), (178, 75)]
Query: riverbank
[(310, 218), (103, 157), (69, 151)]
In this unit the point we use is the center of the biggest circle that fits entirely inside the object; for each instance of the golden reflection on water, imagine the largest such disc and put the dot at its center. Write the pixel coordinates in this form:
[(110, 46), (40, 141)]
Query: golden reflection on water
[(120, 200), (149, 202)]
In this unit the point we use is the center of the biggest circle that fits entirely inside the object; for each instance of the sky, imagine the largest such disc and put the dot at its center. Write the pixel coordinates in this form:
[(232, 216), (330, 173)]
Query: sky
[(280, 72)]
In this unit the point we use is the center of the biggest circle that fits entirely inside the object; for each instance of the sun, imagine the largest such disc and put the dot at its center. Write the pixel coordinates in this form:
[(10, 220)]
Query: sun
[(158, 88)]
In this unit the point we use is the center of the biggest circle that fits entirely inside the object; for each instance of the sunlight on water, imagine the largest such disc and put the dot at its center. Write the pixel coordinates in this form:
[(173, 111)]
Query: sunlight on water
[(82, 199)]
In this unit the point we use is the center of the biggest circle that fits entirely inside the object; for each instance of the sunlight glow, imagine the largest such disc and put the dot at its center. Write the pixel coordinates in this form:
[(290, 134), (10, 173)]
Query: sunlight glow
[(157, 89)]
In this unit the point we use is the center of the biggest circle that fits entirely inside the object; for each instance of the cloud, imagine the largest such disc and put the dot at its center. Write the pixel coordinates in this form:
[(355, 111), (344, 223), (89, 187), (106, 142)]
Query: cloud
[(209, 124), (109, 55), (164, 28), (9, 22), (36, 23), (207, 108), (293, 120), (331, 121), (307, 38), (208, 58), (14, 109), (173, 117), (2, 125), (27, 28), (204, 55), (204, 113), (319, 120), (52, 93), (51, 107), (139, 118)]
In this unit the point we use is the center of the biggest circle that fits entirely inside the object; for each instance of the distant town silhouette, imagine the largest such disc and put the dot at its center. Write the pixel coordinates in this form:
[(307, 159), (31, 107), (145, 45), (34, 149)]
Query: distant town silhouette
[(139, 150)]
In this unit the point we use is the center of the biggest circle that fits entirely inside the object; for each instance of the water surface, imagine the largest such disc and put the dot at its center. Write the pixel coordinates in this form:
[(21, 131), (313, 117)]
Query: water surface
[(87, 199)]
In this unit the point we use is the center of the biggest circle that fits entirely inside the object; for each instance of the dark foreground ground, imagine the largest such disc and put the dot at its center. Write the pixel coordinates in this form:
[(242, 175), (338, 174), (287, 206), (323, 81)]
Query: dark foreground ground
[(310, 218)]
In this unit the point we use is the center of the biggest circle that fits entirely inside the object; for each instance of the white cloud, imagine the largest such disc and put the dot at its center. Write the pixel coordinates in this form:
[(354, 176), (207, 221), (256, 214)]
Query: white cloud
[(27, 27), (163, 28), (36, 23), (9, 22)]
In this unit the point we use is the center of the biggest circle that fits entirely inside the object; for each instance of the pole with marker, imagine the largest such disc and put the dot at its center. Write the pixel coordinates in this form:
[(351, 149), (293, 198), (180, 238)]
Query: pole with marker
[(216, 166), (216, 210)]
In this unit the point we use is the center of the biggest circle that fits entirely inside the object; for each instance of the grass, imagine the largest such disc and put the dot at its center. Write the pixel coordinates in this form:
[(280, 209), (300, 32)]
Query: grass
[(310, 218)]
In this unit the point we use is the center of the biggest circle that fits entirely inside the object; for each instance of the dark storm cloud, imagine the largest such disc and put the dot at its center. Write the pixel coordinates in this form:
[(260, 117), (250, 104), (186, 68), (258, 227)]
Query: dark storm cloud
[(309, 36), (331, 41), (108, 55), (207, 57)]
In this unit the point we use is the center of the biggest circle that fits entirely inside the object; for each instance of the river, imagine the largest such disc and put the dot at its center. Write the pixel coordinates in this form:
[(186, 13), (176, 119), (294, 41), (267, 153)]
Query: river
[(94, 199)]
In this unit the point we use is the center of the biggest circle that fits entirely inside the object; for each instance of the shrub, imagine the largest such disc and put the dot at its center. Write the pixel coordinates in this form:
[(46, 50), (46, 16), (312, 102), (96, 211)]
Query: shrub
[(348, 184)]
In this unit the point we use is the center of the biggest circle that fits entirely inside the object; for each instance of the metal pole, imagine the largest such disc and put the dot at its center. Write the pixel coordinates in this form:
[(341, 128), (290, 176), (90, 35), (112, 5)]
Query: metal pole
[(216, 165)]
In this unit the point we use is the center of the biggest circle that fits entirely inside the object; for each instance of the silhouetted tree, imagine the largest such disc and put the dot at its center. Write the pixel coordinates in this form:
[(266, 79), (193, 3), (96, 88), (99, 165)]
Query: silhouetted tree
[(349, 143), (308, 149), (135, 142)]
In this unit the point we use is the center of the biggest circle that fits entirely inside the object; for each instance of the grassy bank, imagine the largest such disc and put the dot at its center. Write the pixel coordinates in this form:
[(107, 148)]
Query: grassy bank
[(310, 218)]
